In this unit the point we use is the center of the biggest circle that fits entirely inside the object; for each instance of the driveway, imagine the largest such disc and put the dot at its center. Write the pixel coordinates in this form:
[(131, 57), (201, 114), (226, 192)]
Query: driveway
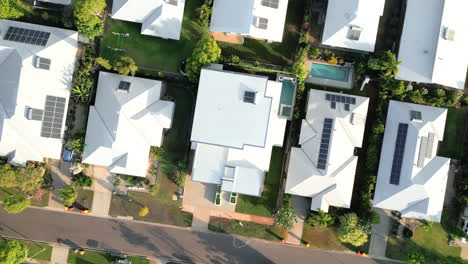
[(61, 177), (301, 206), (378, 242), (103, 186)]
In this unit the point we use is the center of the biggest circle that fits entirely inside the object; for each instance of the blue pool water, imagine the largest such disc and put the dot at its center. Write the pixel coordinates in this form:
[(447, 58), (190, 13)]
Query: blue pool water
[(332, 72), (287, 92)]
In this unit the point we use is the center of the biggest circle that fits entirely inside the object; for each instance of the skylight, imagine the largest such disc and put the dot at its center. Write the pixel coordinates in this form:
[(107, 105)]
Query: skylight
[(354, 33)]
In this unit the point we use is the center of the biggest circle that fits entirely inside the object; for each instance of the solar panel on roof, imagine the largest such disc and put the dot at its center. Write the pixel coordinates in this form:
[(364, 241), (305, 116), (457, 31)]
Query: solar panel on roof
[(399, 153), (262, 23), (27, 36), (270, 3), (333, 105), (430, 145), (54, 111), (325, 143), (347, 100), (346, 107), (327, 97)]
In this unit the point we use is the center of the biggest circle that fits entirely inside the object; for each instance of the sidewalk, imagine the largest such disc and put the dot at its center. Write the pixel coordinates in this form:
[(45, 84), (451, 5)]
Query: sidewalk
[(378, 242), (59, 254)]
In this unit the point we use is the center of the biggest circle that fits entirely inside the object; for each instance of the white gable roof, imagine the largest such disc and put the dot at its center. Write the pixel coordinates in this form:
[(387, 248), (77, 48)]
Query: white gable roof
[(123, 126), (364, 15), (421, 189), (228, 132), (23, 86), (160, 18), (426, 55), (241, 16), (332, 186)]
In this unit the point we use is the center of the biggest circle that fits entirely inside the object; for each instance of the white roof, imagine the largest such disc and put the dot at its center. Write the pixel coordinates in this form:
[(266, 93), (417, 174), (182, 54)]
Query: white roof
[(364, 15), (60, 2), (123, 126), (241, 16), (228, 132), (421, 189), (332, 186), (159, 18), (426, 55), (23, 86)]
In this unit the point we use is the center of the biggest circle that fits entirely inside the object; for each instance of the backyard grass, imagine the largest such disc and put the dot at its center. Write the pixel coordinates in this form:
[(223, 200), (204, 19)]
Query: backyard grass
[(34, 249), (264, 205), (456, 132), (431, 243), (321, 237), (280, 53), (223, 225), (95, 257), (153, 52)]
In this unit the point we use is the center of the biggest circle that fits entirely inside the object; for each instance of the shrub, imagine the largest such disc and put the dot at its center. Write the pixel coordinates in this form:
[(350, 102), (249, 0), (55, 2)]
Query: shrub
[(206, 52), (320, 218), (304, 37), (454, 97), (82, 84), (144, 211), (333, 60), (286, 217), (415, 258), (68, 194), (104, 63), (385, 62), (83, 181), (13, 252), (45, 16), (13, 9), (125, 66), (117, 182), (315, 53), (153, 189), (465, 100), (14, 205), (350, 230), (375, 218), (87, 17), (205, 13), (157, 152), (76, 144)]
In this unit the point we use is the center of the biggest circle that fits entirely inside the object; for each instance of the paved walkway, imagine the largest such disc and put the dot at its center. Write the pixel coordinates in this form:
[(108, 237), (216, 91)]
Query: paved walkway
[(61, 177), (201, 218), (103, 186), (378, 242), (301, 207), (464, 249), (59, 254)]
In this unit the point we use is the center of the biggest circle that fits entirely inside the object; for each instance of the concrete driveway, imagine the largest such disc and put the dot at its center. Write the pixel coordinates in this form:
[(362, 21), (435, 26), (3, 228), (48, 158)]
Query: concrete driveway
[(61, 177), (103, 187)]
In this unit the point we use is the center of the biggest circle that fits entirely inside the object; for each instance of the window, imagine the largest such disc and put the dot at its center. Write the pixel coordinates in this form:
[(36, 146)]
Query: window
[(124, 87), (354, 33), (249, 97), (270, 3), (42, 63), (262, 23)]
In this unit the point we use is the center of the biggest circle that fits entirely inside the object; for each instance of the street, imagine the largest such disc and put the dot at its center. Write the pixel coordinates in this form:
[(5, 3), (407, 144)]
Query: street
[(159, 241)]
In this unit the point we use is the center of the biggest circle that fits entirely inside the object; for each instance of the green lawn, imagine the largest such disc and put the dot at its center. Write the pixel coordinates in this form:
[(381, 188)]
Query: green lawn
[(153, 52), (264, 205), (223, 225), (34, 249), (95, 257), (431, 243), (455, 129), (321, 237), (6, 192), (281, 53), (84, 200)]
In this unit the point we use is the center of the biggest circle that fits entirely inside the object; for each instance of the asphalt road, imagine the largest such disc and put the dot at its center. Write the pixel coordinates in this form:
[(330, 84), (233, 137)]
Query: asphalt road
[(159, 241)]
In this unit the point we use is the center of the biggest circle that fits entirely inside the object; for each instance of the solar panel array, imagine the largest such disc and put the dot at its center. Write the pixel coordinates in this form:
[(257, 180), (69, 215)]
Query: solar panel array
[(27, 36), (325, 143), (399, 153), (335, 98), (54, 111), (270, 3)]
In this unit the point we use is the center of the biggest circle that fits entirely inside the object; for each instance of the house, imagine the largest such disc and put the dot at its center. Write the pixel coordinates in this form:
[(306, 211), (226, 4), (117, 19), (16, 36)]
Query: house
[(433, 43), (159, 18), (412, 178), (352, 24), (237, 122), (36, 69), (261, 19), (128, 117), (324, 165)]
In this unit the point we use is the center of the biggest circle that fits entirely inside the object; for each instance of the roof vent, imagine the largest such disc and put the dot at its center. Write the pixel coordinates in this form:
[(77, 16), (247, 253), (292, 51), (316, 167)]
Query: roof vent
[(35, 114), (354, 33), (42, 63), (172, 2), (270, 3), (124, 87), (249, 97), (449, 34), (416, 116)]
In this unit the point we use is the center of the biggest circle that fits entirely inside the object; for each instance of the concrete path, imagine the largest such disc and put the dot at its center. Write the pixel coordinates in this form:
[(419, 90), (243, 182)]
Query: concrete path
[(464, 249), (201, 218), (103, 186), (61, 177), (301, 207), (59, 255), (378, 242)]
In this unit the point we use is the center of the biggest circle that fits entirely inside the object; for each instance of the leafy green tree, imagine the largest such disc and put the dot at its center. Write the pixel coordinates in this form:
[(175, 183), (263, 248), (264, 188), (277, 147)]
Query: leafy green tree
[(13, 252), (13, 9), (125, 66), (29, 179), (14, 205), (415, 258), (320, 218), (83, 180), (68, 194), (385, 62), (7, 176), (206, 52), (286, 217), (104, 63), (87, 17), (350, 230)]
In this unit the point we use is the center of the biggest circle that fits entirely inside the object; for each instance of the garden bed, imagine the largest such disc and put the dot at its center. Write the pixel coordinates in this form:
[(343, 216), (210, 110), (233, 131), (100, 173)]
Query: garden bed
[(96, 257), (224, 225)]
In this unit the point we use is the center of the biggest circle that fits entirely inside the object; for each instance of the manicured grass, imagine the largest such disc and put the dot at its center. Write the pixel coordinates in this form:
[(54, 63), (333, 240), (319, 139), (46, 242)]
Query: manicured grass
[(281, 53), (264, 205), (149, 51), (431, 243), (321, 237), (34, 249), (455, 128), (43, 202), (6, 192), (95, 257), (223, 225), (84, 200)]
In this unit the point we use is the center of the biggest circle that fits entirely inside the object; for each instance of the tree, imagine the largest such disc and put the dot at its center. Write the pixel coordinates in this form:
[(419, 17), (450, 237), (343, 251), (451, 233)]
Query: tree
[(14, 205), (350, 230), (13, 9), (415, 258), (125, 66), (206, 52), (320, 218), (104, 63), (68, 194), (286, 217), (29, 179), (87, 18), (143, 211), (13, 252), (386, 62), (83, 181)]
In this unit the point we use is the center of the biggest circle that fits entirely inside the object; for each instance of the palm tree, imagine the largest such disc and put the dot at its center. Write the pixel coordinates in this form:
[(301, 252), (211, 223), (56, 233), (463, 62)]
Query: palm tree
[(321, 218), (391, 63)]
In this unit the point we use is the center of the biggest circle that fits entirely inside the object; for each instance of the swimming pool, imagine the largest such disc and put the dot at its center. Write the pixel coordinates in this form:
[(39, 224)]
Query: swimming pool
[(288, 91), (327, 71)]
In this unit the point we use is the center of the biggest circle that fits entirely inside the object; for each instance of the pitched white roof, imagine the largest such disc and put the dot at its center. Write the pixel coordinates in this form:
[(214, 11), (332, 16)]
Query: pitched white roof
[(426, 55), (60, 2), (227, 132), (332, 186), (160, 18), (421, 189), (123, 126), (23, 86), (364, 15), (241, 16)]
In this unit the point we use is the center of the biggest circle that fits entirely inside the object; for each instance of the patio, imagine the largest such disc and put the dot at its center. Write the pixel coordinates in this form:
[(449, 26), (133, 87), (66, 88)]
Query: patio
[(228, 37)]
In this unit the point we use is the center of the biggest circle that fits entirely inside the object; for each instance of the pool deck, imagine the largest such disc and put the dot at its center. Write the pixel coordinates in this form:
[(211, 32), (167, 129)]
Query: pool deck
[(329, 82)]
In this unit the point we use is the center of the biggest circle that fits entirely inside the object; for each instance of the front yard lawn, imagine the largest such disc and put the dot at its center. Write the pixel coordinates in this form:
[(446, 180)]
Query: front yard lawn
[(84, 200), (34, 249), (6, 192), (153, 52), (95, 257), (455, 133), (321, 237), (431, 243), (264, 205), (250, 229)]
